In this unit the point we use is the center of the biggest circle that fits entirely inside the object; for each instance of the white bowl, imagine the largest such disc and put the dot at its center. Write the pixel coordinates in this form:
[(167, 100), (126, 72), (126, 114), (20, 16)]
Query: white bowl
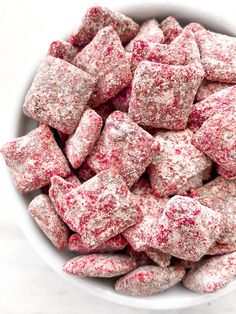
[(176, 297)]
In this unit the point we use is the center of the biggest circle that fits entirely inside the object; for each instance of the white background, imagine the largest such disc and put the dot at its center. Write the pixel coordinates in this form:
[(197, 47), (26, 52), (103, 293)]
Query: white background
[(27, 285)]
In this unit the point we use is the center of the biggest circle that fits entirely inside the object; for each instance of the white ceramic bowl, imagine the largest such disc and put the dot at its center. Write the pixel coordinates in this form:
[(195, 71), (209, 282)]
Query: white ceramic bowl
[(176, 297)]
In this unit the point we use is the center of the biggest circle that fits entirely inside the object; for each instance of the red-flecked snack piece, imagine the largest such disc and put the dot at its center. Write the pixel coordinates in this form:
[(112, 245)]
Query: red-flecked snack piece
[(43, 212), (105, 59), (80, 144), (116, 243), (104, 110), (217, 102), (58, 94), (99, 265), (85, 172), (217, 138), (194, 27), (211, 274), (100, 208), (186, 229), (218, 56), (162, 95), (72, 178), (220, 195), (139, 235), (121, 100), (140, 258), (171, 29), (182, 51), (229, 175), (34, 158), (124, 146), (98, 17), (150, 32), (186, 264), (62, 50), (160, 258), (148, 280), (219, 249), (208, 88), (178, 166)]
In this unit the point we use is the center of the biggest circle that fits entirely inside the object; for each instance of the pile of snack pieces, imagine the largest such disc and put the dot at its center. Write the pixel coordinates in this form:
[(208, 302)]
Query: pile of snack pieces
[(144, 116)]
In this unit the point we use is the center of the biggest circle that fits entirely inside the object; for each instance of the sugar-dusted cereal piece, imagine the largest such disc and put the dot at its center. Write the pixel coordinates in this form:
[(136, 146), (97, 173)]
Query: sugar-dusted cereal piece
[(162, 95), (171, 29), (140, 258), (121, 100), (160, 258), (99, 265), (124, 146), (100, 208), (62, 50), (105, 59), (116, 243), (186, 229), (219, 249), (182, 51), (217, 138), (59, 187), (139, 235), (98, 17), (34, 158), (72, 178), (85, 172), (178, 166), (227, 174), (150, 32), (208, 88), (218, 56), (81, 143), (220, 195), (211, 274), (58, 94), (148, 280), (43, 212), (194, 27), (217, 102), (104, 110), (186, 264)]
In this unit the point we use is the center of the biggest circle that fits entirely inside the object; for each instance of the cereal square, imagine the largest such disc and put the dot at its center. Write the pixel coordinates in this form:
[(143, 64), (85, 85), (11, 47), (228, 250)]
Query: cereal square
[(58, 94), (34, 158), (97, 18), (62, 50), (171, 29), (208, 88), (124, 146), (162, 95), (105, 59)]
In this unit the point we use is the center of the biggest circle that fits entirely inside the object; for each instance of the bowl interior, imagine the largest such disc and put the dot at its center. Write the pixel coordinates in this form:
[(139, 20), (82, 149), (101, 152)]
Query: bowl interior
[(176, 297)]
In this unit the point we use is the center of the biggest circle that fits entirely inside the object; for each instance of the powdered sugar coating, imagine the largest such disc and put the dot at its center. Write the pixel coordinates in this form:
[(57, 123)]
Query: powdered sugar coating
[(99, 265), (220, 195), (124, 146), (105, 59), (171, 29), (186, 229), (114, 244), (150, 32), (100, 208), (81, 143), (217, 138), (139, 235), (58, 94), (162, 95), (178, 165), (208, 88), (194, 27), (122, 99), (98, 17), (34, 158), (218, 56), (219, 249), (211, 274), (43, 212), (217, 102), (160, 258), (148, 280), (227, 174), (62, 50), (72, 178)]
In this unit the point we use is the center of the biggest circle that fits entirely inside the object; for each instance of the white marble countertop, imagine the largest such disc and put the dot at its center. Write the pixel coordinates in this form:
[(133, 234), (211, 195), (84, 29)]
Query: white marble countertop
[(27, 284)]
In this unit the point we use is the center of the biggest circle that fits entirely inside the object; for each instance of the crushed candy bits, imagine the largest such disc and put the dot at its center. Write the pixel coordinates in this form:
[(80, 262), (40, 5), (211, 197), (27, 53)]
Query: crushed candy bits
[(148, 280), (58, 94), (34, 158)]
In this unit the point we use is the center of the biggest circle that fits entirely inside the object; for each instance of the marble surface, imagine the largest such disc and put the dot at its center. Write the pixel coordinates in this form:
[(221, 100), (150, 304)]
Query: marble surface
[(27, 284)]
